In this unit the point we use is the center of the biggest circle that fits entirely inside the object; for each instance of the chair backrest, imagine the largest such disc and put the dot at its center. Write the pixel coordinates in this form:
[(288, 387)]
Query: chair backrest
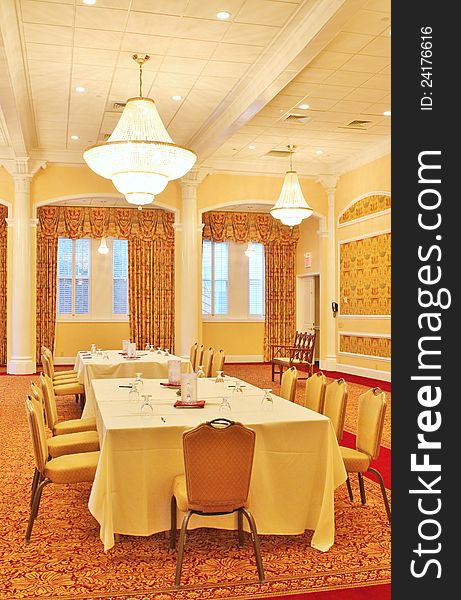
[(218, 362), (207, 361), (306, 353), (37, 433), (47, 364), (315, 391), (288, 386), (372, 410), (218, 459), (335, 404), (193, 355), (199, 357), (49, 400)]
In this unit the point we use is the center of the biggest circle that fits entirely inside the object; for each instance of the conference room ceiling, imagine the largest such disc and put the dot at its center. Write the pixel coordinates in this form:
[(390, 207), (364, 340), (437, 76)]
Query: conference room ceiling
[(239, 80)]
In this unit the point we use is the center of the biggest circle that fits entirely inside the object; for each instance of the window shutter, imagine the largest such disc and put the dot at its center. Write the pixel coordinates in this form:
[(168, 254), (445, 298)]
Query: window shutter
[(120, 277), (256, 281)]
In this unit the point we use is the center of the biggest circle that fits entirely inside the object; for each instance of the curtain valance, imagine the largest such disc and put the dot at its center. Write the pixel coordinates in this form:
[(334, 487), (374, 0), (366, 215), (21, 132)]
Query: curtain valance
[(122, 223), (247, 227)]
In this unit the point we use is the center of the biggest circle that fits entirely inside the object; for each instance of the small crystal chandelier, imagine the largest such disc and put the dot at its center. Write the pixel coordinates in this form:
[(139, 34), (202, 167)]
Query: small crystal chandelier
[(291, 207), (250, 250), (140, 157), (103, 249)]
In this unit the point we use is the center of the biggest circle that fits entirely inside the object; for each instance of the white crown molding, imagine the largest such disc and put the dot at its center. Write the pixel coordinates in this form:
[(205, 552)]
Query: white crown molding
[(375, 151)]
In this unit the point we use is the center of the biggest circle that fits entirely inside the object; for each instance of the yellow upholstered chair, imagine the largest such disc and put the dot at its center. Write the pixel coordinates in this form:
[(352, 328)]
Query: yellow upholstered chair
[(288, 386), (55, 425), (315, 391), (207, 361), (71, 468), (218, 362), (217, 485), (371, 413), (68, 443), (193, 355), (48, 367), (65, 386), (335, 404), (199, 357)]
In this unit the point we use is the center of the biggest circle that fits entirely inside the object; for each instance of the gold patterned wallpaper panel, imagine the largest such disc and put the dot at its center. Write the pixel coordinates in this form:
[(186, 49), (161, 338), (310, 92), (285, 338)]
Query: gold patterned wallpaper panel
[(368, 346), (365, 276), (366, 207)]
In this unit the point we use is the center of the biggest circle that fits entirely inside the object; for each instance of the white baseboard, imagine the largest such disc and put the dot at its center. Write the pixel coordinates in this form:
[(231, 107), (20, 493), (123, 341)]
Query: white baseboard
[(245, 358), (360, 371)]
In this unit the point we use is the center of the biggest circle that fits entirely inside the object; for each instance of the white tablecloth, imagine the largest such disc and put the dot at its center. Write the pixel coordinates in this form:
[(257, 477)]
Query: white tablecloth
[(150, 364), (297, 463)]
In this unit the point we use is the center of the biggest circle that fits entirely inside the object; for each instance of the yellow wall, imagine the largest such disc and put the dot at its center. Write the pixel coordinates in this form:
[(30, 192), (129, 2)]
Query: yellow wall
[(72, 337), (370, 178), (235, 338), (6, 185)]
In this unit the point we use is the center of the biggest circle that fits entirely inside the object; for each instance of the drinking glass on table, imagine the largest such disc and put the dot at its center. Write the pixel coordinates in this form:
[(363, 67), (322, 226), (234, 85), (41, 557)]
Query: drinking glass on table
[(146, 404), (225, 407), (200, 371), (152, 348), (138, 381), (93, 349), (167, 351), (159, 350), (237, 387), (219, 377), (106, 355), (147, 347), (133, 394), (267, 402)]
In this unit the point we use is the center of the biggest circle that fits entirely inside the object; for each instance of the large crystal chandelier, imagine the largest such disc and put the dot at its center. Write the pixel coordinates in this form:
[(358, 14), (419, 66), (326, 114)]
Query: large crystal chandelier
[(140, 157), (291, 207)]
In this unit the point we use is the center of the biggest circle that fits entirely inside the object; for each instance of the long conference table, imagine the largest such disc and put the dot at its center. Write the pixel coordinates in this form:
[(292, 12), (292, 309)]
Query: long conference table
[(297, 462), (116, 364)]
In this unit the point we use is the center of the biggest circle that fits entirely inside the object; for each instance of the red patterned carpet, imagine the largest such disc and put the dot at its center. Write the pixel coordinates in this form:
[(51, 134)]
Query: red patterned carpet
[(65, 559)]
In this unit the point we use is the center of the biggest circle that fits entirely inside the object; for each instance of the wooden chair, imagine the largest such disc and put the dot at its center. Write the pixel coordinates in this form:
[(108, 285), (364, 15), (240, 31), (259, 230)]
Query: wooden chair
[(372, 411), (315, 392), (301, 353), (334, 406), (288, 385), (217, 485), (71, 468), (56, 426)]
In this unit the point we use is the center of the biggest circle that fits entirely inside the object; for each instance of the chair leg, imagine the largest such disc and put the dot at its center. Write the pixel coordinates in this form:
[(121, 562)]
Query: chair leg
[(240, 526), (182, 541), (363, 497), (34, 507), (349, 489), (35, 482), (273, 371), (256, 546), (173, 522), (383, 491)]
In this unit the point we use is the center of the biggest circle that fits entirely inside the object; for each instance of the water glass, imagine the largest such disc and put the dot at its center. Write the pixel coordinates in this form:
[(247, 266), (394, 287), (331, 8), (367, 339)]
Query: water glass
[(146, 405), (93, 349), (159, 350), (225, 407), (138, 381), (200, 372), (99, 353), (219, 377), (237, 387), (152, 348), (133, 394), (147, 347), (267, 402), (167, 352)]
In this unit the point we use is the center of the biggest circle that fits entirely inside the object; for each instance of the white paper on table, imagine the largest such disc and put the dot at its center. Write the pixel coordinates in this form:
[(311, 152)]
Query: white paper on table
[(125, 346), (132, 350), (189, 387), (174, 371)]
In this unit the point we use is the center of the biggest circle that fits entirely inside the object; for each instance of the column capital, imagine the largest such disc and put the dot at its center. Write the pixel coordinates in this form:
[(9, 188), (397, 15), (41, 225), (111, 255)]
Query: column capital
[(329, 183), (195, 176), (22, 167)]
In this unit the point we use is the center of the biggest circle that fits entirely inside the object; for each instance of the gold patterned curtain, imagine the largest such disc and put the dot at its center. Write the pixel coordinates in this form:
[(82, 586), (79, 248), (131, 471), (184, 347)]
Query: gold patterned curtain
[(280, 255), (3, 282), (147, 231)]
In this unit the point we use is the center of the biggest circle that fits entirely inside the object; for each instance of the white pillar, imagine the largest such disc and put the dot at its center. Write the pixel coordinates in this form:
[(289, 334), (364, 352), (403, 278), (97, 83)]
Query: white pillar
[(190, 252), (329, 183), (22, 319)]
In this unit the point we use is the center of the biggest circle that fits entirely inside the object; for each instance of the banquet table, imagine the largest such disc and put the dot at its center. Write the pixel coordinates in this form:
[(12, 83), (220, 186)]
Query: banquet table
[(150, 364), (297, 462)]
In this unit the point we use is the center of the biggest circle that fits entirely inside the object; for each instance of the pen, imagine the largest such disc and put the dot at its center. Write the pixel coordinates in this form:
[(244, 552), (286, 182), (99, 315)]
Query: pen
[(163, 419), (125, 386)]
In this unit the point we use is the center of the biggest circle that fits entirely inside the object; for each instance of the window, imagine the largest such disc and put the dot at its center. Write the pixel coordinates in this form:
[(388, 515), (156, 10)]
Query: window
[(73, 276), (120, 277), (214, 278), (232, 283), (256, 281), (92, 286)]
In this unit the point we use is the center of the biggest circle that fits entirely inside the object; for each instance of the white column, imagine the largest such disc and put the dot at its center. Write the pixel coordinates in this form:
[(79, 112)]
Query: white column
[(22, 319), (190, 243), (329, 183)]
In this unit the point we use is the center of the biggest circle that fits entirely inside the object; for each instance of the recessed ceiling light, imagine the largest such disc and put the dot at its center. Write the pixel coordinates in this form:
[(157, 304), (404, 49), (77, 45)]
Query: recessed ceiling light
[(319, 152), (89, 2), (223, 15), (80, 89), (304, 106), (176, 98), (387, 113), (251, 147), (74, 137)]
